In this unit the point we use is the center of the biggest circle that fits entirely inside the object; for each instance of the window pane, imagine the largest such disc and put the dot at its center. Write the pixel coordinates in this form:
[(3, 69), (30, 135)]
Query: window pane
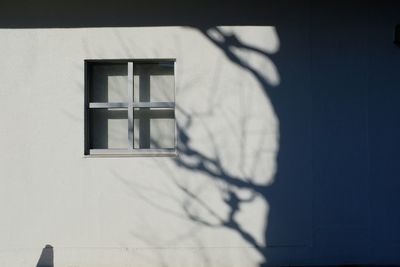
[(154, 128), (154, 82), (109, 82), (109, 128)]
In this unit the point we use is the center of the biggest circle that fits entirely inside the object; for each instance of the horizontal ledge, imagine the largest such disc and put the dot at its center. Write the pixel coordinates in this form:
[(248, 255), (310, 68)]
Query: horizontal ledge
[(148, 152), (154, 105), (108, 105), (133, 105), (138, 60)]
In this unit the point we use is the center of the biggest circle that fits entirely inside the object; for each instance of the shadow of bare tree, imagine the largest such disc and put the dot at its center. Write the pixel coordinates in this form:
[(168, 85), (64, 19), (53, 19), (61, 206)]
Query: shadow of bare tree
[(195, 160)]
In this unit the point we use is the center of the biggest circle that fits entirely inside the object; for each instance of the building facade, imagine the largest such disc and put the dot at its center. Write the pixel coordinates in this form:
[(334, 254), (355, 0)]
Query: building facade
[(278, 124)]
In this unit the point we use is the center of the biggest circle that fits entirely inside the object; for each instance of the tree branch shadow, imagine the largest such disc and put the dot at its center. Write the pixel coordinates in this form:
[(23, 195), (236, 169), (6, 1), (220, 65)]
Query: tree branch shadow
[(194, 160)]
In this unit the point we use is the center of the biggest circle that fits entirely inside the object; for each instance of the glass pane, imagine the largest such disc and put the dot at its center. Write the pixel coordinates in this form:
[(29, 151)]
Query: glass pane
[(109, 82), (154, 82), (154, 128), (109, 128)]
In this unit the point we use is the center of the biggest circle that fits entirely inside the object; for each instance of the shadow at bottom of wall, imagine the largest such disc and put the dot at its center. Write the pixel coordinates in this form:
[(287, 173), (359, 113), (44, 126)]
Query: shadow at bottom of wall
[(47, 257)]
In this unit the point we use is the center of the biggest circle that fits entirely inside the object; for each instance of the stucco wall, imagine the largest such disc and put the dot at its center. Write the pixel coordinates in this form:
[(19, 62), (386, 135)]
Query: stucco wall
[(131, 208)]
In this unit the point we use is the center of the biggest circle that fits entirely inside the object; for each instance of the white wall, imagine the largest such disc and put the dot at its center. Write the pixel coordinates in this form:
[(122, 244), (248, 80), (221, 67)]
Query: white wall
[(130, 211)]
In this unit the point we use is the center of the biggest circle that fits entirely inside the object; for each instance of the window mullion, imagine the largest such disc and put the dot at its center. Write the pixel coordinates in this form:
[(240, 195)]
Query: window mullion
[(130, 104)]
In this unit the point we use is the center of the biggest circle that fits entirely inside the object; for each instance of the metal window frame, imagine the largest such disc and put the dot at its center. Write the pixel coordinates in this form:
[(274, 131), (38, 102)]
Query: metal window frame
[(129, 152)]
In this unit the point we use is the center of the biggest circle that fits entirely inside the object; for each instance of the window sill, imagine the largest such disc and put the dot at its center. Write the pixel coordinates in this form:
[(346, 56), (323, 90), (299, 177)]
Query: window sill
[(116, 153)]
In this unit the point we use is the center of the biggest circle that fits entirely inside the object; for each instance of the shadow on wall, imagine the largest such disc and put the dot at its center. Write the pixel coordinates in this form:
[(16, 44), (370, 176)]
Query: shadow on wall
[(287, 195), (212, 166), (329, 201), (277, 201), (121, 13), (47, 257)]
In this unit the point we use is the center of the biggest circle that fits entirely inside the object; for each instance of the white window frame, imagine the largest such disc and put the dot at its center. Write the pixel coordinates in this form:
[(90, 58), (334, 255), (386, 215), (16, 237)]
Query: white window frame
[(130, 105)]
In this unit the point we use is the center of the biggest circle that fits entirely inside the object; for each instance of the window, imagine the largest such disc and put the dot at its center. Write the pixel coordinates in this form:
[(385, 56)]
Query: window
[(130, 107)]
